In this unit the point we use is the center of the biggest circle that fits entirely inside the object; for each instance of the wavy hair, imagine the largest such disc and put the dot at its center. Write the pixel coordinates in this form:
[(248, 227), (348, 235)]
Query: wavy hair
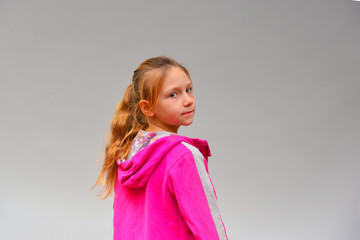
[(129, 119)]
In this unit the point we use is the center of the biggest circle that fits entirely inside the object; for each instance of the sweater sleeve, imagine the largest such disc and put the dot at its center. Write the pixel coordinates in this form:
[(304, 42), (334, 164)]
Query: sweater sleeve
[(191, 185)]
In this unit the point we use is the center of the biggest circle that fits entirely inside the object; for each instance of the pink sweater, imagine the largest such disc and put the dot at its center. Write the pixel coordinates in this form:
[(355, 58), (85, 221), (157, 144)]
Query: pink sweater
[(164, 192)]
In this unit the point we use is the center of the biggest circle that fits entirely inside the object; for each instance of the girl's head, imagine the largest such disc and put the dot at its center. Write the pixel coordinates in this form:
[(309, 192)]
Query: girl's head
[(174, 102), (158, 99), (159, 86)]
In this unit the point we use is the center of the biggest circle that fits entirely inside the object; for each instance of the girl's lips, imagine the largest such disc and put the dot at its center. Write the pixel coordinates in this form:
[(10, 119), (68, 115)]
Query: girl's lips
[(187, 113)]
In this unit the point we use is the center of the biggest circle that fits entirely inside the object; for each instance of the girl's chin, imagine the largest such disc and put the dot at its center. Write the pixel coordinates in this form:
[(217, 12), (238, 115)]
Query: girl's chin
[(187, 123)]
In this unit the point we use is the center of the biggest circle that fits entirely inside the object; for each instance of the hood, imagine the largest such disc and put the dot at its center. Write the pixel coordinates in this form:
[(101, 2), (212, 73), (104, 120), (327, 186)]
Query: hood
[(135, 172)]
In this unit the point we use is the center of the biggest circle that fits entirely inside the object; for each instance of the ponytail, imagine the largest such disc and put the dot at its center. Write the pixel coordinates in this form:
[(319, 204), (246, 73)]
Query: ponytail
[(127, 121)]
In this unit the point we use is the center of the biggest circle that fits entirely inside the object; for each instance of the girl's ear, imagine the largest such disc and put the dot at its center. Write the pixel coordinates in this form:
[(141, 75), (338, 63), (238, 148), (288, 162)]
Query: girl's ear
[(145, 108)]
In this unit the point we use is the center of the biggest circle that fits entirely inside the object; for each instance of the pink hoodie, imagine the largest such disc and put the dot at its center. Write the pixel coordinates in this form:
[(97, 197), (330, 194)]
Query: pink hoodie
[(164, 192)]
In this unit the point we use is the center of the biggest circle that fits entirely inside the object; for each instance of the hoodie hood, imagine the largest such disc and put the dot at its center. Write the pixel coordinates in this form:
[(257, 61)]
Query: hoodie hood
[(136, 171)]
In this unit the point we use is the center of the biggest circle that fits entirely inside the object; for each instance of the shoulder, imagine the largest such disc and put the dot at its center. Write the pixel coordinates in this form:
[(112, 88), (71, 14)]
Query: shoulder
[(194, 151), (175, 147), (186, 149), (196, 146), (200, 159), (185, 155)]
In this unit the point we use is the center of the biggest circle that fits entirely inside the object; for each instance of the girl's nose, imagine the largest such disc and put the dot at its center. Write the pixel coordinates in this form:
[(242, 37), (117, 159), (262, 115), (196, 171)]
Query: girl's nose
[(188, 100)]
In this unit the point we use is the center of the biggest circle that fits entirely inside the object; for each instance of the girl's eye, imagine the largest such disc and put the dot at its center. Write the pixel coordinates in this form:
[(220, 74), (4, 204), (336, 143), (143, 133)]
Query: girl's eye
[(173, 95), (188, 90)]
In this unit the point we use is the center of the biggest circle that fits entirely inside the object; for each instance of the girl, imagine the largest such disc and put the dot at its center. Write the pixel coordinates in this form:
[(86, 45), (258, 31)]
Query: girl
[(160, 179)]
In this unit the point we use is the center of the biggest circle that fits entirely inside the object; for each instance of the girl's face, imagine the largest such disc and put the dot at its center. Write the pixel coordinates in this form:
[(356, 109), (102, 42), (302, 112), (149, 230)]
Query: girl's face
[(175, 105)]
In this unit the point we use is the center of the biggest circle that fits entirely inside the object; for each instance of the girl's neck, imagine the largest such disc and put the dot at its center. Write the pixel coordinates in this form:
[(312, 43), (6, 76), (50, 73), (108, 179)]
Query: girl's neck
[(156, 128)]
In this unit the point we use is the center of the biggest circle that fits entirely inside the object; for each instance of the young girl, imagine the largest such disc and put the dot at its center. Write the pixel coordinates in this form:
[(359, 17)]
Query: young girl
[(160, 179)]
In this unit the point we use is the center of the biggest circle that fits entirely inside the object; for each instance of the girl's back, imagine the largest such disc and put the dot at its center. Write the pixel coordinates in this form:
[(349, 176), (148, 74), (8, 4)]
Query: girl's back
[(164, 191)]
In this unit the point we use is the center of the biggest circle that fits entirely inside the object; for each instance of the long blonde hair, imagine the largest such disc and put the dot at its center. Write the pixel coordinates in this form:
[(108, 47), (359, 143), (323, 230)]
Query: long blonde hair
[(129, 119)]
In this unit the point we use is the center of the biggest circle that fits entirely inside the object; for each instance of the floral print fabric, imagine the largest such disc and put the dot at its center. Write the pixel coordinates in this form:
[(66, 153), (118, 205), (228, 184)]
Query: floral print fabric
[(144, 139)]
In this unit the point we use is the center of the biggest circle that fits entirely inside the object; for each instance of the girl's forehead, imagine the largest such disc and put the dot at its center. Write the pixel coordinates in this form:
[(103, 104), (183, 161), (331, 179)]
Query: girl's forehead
[(176, 77)]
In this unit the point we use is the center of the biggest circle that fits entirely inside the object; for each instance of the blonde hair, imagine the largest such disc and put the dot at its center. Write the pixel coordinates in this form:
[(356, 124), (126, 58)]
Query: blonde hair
[(129, 119)]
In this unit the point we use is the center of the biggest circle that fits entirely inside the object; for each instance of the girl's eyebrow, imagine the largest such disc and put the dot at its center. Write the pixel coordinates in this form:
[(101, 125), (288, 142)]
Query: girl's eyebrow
[(178, 88)]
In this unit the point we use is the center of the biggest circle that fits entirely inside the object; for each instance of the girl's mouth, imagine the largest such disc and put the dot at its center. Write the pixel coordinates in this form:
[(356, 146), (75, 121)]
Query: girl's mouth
[(187, 113)]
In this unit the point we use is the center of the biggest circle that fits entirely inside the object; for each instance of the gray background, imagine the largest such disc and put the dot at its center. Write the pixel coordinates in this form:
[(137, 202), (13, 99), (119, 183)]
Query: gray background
[(278, 99)]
